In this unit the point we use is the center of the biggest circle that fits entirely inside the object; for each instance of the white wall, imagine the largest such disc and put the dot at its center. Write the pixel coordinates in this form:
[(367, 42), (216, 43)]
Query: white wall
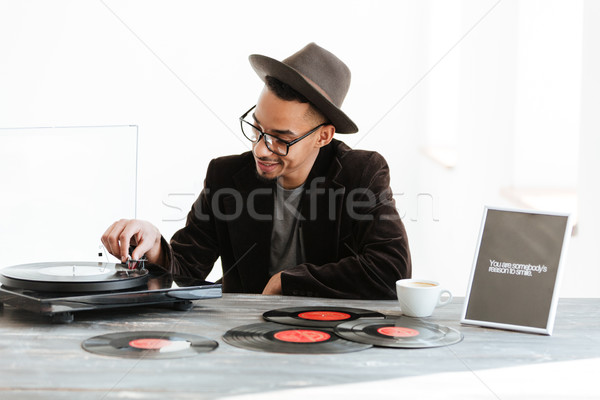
[(585, 265), (497, 85)]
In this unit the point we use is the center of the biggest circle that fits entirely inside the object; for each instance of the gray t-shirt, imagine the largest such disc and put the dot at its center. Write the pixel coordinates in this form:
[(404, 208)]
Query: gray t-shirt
[(286, 238)]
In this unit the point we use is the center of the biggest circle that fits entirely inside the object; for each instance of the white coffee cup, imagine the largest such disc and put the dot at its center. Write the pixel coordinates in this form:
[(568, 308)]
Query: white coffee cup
[(419, 297)]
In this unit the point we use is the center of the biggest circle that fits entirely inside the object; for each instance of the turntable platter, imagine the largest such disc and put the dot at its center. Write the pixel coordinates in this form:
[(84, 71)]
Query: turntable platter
[(66, 276)]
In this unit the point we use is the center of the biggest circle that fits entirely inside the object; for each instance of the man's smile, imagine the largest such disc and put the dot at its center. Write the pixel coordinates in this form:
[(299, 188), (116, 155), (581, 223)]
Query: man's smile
[(266, 166)]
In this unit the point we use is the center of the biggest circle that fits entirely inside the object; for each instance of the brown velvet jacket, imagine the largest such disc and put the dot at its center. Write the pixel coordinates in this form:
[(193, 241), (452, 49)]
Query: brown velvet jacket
[(354, 241)]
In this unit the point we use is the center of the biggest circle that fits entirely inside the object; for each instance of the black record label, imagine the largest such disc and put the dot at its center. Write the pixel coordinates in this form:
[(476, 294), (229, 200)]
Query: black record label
[(149, 344), (276, 338), (324, 317), (404, 332)]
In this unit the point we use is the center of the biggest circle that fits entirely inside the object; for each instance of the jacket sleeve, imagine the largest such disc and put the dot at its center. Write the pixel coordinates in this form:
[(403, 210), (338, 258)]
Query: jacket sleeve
[(373, 253), (194, 249)]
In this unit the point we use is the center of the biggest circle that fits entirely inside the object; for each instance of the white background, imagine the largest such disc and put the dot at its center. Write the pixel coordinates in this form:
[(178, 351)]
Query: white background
[(471, 102), (88, 178)]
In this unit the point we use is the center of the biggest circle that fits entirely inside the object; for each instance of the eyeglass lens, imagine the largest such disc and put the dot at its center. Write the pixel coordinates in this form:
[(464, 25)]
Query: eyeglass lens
[(273, 144)]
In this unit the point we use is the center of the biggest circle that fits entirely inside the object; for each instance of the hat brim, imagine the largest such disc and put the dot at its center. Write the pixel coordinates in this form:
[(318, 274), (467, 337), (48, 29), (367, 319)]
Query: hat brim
[(266, 66)]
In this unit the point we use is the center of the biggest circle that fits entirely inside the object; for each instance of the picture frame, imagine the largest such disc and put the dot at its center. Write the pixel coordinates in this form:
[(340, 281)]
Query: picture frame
[(517, 268)]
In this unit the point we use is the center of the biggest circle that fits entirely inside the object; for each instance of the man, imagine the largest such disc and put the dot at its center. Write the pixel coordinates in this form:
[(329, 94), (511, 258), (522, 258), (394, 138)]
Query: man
[(302, 214)]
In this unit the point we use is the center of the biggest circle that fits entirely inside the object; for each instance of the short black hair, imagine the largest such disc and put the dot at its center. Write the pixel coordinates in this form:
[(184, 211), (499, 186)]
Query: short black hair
[(283, 90), (288, 93)]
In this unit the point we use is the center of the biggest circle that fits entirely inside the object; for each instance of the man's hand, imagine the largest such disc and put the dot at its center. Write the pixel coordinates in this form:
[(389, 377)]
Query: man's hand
[(274, 285), (142, 234)]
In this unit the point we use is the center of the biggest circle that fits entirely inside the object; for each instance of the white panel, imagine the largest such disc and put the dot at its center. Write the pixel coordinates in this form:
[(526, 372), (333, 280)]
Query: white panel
[(548, 98), (61, 188)]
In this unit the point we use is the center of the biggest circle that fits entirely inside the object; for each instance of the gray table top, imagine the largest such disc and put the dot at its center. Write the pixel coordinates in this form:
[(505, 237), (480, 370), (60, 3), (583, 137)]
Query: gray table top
[(40, 360)]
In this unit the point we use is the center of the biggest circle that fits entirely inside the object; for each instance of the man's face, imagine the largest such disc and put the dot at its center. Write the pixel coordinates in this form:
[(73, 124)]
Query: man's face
[(286, 120)]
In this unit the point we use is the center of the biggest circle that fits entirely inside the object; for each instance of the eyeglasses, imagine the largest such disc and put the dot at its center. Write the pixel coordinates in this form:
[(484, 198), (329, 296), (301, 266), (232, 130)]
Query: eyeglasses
[(273, 143)]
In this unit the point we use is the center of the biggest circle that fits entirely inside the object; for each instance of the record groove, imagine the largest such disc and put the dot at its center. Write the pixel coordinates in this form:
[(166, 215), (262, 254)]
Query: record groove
[(322, 317), (277, 338), (403, 332), (72, 276), (149, 344)]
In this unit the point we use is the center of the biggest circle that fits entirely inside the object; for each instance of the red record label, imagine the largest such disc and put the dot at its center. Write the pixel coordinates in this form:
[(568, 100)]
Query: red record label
[(302, 336), (150, 344), (397, 331), (324, 315)]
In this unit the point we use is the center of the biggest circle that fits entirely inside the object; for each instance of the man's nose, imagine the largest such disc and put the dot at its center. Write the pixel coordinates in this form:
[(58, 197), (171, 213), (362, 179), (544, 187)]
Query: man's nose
[(261, 150)]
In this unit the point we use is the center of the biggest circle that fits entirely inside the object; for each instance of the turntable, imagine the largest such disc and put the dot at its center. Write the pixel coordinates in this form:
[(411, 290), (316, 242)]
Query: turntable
[(59, 289)]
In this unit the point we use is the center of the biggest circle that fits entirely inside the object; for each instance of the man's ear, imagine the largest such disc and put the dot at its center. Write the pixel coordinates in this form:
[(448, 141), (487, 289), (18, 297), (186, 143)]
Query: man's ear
[(325, 135)]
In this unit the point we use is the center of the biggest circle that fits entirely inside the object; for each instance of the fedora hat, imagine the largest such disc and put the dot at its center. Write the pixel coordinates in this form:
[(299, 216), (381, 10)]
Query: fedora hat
[(318, 75)]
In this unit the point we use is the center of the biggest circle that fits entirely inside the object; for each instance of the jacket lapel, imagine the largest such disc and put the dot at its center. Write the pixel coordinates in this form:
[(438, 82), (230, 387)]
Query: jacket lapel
[(321, 208), (251, 230)]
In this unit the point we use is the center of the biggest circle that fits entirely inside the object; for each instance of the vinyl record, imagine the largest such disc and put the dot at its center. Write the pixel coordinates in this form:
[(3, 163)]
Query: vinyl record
[(320, 317), (403, 332), (276, 338), (149, 344), (72, 276)]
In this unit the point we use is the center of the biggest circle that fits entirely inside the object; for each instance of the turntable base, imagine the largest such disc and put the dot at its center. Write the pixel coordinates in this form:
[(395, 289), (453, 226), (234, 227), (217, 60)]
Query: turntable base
[(59, 289), (60, 307)]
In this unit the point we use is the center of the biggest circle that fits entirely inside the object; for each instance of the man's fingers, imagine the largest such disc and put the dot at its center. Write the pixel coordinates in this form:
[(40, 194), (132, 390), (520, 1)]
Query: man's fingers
[(142, 247), (131, 229), (120, 235), (141, 235), (112, 239)]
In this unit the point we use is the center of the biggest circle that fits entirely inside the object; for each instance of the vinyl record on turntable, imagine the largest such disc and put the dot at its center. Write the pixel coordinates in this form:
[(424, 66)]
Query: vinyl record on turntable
[(149, 344), (276, 338), (72, 276), (403, 332), (321, 317)]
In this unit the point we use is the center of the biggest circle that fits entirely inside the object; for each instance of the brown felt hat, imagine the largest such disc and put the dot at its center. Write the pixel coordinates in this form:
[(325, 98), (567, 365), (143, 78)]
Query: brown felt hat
[(318, 75)]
